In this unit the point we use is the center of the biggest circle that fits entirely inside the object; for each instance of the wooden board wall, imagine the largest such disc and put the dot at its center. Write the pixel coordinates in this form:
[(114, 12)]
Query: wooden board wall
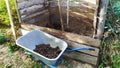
[(30, 11)]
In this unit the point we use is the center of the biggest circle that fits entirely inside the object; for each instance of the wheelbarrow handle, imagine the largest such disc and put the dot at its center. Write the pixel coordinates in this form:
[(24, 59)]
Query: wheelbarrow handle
[(76, 49)]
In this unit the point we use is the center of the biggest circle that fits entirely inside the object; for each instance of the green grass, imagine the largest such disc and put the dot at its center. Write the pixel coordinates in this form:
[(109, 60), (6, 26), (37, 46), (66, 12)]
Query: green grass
[(111, 42), (3, 38), (4, 19)]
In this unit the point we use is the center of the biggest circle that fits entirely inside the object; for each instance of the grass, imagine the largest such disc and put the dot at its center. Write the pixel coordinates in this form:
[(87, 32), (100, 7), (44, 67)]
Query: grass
[(3, 38), (111, 42), (4, 19)]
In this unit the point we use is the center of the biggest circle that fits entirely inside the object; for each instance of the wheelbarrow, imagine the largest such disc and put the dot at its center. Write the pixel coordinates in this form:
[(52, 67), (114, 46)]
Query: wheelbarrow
[(35, 37)]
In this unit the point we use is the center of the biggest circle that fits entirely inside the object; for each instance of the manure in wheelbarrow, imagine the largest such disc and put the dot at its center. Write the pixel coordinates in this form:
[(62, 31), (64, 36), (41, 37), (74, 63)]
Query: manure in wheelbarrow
[(47, 51)]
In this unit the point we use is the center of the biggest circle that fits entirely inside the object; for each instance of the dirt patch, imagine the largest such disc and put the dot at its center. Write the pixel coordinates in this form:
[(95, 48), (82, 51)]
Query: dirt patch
[(20, 60), (47, 51), (80, 20)]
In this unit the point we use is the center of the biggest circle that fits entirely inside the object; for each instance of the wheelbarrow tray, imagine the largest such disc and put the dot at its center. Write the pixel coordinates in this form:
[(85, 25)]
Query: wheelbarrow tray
[(35, 37)]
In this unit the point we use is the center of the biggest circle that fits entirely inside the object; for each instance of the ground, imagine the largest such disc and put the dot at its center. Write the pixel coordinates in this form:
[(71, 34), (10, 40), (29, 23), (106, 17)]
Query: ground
[(19, 60), (80, 20)]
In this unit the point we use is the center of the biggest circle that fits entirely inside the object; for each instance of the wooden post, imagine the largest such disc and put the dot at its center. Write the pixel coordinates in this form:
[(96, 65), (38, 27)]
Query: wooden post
[(18, 13), (11, 19), (61, 20), (100, 18)]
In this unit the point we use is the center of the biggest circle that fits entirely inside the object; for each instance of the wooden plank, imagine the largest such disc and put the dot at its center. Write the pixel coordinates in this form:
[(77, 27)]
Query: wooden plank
[(60, 14), (31, 21), (76, 45), (82, 57), (70, 63), (43, 18), (71, 3), (100, 17), (18, 13), (84, 15), (24, 17), (30, 9), (65, 35), (90, 1), (20, 1), (64, 3), (28, 3)]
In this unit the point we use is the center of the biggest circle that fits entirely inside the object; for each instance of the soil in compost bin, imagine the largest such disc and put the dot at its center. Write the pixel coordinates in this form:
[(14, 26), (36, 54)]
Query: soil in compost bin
[(80, 20), (47, 51)]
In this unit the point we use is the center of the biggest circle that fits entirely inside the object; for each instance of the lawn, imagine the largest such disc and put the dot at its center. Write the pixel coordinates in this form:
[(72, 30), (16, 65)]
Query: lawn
[(14, 57)]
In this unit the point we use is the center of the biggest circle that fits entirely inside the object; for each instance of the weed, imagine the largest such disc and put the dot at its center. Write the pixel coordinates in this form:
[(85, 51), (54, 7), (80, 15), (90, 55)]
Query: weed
[(4, 18), (111, 44), (3, 38), (12, 48), (36, 64)]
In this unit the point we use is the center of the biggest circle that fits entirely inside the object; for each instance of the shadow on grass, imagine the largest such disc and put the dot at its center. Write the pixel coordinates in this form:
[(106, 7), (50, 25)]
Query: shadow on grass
[(3, 39), (4, 26)]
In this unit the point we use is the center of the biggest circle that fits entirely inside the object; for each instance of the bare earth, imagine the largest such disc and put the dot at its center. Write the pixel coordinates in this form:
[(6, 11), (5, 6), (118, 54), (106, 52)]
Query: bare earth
[(19, 60)]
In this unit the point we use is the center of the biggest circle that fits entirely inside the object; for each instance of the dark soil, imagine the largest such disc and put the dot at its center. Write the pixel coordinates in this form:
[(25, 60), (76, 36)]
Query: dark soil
[(47, 51), (80, 20)]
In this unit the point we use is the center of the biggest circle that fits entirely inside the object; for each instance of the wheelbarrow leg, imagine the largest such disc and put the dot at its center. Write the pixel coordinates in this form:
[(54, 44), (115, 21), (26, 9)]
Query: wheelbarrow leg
[(43, 64)]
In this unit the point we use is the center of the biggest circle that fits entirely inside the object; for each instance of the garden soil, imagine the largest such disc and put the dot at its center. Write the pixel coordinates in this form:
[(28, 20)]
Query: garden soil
[(47, 51), (80, 22)]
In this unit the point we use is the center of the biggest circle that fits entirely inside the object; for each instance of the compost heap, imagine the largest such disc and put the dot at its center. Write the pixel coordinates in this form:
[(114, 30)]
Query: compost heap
[(47, 51)]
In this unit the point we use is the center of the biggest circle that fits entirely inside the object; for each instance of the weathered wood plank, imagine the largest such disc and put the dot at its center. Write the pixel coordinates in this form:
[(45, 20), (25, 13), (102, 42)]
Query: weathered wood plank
[(80, 3), (24, 17), (64, 3), (100, 17), (18, 13), (27, 3), (71, 63), (90, 1), (43, 18), (30, 9), (82, 57), (65, 35), (76, 45), (84, 15)]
